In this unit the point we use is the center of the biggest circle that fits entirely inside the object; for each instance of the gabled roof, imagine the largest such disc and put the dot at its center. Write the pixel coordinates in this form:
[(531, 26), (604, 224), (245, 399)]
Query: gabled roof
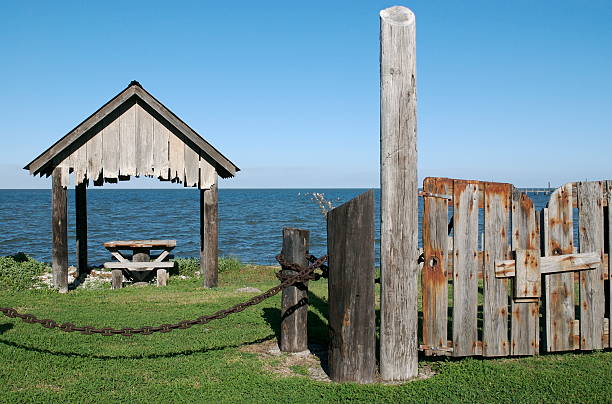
[(134, 93)]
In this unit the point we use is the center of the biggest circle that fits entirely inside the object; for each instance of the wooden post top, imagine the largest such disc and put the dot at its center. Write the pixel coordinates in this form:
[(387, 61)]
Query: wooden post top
[(140, 244)]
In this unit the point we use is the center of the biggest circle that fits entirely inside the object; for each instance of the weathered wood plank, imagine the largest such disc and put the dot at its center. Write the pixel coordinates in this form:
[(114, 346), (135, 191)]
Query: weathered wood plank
[(79, 164), (465, 280), (160, 150), (209, 236), (352, 320), (399, 200), (192, 167), (59, 227), (496, 246), (127, 128), (139, 264), (80, 193), (177, 158), (434, 275), (144, 142), (207, 173), (553, 264), (592, 300), (94, 156), (608, 271), (294, 300), (111, 150), (525, 339), (559, 288)]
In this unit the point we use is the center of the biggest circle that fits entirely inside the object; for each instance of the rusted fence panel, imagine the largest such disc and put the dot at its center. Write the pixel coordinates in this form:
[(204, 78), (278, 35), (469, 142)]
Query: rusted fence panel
[(526, 287), (465, 271), (559, 288), (496, 247), (592, 299), (434, 272)]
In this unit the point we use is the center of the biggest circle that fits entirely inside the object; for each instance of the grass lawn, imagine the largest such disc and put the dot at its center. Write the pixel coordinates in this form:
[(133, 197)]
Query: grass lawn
[(210, 363)]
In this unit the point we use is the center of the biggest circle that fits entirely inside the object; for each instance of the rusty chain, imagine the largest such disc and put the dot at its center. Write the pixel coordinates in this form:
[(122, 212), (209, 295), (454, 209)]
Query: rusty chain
[(303, 274)]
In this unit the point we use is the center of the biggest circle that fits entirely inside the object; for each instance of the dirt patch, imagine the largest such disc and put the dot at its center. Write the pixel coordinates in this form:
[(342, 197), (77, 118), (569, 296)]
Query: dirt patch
[(311, 363)]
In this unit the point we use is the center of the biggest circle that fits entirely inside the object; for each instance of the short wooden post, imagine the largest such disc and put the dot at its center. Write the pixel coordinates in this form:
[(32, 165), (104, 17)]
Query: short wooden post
[(294, 302), (80, 191), (117, 279), (59, 227), (399, 220), (162, 277), (209, 235), (352, 320)]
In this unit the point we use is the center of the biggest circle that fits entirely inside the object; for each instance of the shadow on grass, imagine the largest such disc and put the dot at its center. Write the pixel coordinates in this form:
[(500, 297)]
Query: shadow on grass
[(151, 356), (5, 327)]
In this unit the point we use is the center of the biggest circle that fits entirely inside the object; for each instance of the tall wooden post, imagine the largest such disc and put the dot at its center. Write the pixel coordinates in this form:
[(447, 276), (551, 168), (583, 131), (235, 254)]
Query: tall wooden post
[(352, 320), (209, 235), (399, 219), (294, 302), (59, 229), (80, 194)]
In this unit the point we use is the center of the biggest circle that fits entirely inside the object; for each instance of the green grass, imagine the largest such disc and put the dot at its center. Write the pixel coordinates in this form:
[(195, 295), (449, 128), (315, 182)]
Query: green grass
[(206, 363), (19, 272)]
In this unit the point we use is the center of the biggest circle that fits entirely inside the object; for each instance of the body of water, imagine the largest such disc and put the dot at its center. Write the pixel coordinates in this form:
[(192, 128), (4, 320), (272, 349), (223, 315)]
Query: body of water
[(250, 220)]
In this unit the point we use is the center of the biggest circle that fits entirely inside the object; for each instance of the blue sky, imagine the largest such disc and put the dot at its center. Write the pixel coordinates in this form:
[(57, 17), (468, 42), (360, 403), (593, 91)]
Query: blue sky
[(517, 91)]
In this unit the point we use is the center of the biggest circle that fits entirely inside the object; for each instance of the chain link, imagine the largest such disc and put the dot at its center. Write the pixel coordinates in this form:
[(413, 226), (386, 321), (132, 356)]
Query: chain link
[(302, 274)]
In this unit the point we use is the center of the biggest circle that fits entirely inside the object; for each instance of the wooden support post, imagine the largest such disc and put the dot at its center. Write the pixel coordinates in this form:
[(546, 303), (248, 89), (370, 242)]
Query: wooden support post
[(209, 238), (80, 191), (294, 302), (352, 320), (399, 200), (59, 227)]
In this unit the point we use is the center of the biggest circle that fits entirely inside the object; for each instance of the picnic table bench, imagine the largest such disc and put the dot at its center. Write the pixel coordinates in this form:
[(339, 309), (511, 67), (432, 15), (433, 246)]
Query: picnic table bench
[(139, 263)]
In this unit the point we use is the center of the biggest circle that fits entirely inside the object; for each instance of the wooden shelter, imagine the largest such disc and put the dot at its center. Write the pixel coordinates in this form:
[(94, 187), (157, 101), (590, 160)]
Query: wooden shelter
[(131, 135)]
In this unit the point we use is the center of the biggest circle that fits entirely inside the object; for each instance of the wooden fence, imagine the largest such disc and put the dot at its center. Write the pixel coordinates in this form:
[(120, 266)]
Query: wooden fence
[(494, 260)]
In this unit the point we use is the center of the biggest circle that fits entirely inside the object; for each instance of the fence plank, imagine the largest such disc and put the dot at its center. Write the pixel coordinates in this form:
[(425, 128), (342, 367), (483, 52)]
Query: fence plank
[(294, 302), (465, 281), (525, 314), (434, 272), (609, 184), (496, 247), (177, 158), (559, 288), (592, 300), (350, 232), (94, 157), (192, 167)]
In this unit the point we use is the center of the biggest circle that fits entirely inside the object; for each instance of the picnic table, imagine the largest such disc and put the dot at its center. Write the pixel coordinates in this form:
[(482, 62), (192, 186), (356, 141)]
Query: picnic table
[(139, 263)]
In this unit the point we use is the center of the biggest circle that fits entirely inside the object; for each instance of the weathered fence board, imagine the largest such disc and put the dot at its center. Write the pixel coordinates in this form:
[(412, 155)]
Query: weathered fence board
[(434, 272), (294, 301), (94, 157), (352, 328), (177, 158), (496, 246), (466, 265), (525, 302), (559, 288), (592, 300), (192, 167), (609, 239)]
